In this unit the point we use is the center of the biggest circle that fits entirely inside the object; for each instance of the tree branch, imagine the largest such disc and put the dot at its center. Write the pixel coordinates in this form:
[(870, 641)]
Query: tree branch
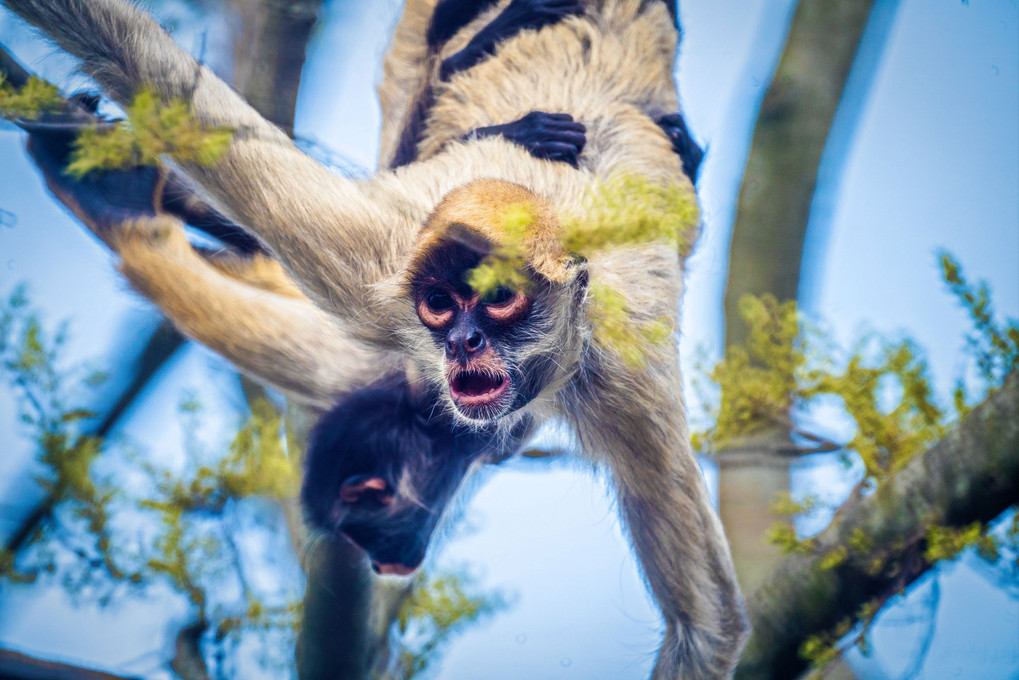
[(15, 666), (972, 475)]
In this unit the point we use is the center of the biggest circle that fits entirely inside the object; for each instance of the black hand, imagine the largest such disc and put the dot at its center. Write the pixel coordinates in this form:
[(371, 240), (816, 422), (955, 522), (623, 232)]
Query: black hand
[(518, 16), (103, 199), (682, 143), (553, 136)]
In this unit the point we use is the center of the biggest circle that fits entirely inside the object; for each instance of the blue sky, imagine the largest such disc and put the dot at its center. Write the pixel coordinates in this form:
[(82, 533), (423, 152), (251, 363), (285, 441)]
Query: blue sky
[(925, 156)]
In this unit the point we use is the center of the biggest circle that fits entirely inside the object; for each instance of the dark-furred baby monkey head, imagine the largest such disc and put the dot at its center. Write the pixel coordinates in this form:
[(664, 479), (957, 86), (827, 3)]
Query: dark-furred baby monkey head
[(501, 349), (382, 466)]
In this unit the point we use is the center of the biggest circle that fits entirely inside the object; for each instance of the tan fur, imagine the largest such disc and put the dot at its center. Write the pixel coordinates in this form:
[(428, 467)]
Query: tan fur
[(481, 207), (405, 69), (346, 243), (248, 311)]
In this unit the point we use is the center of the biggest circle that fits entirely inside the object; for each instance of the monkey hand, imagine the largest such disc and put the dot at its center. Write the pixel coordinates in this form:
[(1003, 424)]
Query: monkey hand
[(552, 136), (682, 143), (519, 15), (104, 199)]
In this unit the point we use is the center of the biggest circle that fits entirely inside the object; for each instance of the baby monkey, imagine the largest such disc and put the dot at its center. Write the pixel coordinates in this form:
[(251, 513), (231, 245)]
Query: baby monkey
[(384, 463)]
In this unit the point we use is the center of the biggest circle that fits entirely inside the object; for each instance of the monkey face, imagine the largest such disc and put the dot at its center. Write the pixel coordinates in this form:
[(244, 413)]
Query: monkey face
[(482, 338), (381, 468)]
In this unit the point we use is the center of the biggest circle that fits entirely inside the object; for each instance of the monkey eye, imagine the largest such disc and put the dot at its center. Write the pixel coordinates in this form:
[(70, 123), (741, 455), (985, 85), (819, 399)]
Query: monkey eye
[(499, 296), (439, 301)]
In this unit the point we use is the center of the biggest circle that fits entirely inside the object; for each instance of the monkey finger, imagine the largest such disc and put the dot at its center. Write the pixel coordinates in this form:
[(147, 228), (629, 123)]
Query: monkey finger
[(557, 116), (557, 151), (574, 139), (568, 126)]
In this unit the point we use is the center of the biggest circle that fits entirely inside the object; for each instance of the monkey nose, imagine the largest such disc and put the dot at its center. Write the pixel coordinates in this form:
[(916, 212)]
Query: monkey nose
[(361, 489), (392, 569), (462, 344)]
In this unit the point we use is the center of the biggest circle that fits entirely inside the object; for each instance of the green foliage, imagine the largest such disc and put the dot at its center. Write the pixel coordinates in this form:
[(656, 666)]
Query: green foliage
[(787, 366), (152, 130), (439, 607), (632, 210), (784, 536), (624, 210), (819, 650), (994, 346), (785, 505), (758, 382), (188, 512), (31, 101), (945, 543), (505, 265)]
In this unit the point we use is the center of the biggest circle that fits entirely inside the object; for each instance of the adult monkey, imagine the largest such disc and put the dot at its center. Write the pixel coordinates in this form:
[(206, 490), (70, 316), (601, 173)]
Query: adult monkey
[(353, 247)]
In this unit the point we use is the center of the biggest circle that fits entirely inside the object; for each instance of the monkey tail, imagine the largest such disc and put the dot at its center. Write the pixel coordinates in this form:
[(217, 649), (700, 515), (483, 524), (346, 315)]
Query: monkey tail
[(125, 50)]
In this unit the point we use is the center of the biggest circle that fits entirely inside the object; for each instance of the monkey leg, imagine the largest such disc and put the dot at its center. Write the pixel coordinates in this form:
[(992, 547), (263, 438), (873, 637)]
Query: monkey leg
[(518, 16)]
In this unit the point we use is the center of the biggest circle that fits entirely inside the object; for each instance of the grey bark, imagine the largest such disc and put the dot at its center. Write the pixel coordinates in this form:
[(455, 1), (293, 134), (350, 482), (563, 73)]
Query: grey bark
[(972, 475), (781, 174), (767, 246)]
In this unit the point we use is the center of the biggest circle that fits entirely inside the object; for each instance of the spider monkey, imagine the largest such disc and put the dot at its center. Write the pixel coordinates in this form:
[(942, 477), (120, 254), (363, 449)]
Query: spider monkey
[(384, 441), (373, 253), (384, 463)]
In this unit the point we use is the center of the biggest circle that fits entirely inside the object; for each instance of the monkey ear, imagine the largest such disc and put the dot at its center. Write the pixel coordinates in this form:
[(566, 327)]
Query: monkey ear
[(576, 269)]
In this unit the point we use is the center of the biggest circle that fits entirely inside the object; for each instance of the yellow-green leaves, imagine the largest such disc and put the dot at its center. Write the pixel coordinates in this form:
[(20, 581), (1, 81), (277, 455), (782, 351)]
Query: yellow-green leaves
[(944, 543), (153, 129), (632, 210), (505, 265), (624, 210), (994, 345), (438, 607), (758, 381), (31, 101)]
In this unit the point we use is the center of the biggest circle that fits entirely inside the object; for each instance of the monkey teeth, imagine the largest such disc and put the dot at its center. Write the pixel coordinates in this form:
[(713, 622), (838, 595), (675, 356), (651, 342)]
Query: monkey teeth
[(475, 387)]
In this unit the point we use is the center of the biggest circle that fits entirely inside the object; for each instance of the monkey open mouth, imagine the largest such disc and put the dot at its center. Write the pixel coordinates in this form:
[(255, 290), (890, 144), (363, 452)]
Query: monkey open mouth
[(478, 388)]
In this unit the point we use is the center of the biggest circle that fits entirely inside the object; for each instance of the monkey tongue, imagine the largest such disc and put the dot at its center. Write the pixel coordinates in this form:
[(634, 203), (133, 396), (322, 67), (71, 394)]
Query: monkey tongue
[(474, 387), (392, 569)]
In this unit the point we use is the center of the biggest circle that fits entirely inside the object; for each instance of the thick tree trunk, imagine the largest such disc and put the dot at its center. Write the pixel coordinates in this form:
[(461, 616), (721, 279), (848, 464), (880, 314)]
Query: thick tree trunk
[(767, 246), (269, 54), (792, 128), (972, 475)]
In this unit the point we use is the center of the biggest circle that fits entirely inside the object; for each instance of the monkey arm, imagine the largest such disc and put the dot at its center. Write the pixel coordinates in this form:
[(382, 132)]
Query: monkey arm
[(675, 532), (632, 418), (244, 307), (333, 239), (278, 337)]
